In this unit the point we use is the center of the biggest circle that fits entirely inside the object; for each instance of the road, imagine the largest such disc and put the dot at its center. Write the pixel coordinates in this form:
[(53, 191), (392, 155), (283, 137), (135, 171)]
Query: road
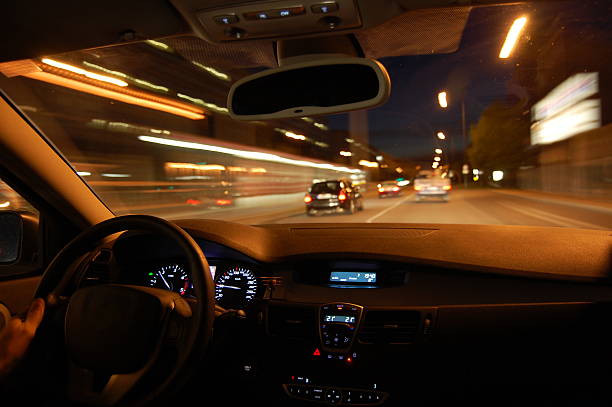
[(478, 206), (481, 206)]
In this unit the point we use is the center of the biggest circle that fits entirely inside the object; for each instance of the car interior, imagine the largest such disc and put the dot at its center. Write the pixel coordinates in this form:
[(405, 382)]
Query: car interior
[(143, 310)]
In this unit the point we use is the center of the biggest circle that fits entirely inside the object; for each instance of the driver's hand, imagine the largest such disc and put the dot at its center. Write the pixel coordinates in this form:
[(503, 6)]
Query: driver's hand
[(16, 336)]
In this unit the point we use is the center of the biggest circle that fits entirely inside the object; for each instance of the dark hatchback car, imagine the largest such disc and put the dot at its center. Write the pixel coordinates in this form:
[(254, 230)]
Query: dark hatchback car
[(333, 196)]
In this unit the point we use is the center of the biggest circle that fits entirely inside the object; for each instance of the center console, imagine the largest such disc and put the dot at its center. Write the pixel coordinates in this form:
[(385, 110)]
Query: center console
[(338, 324)]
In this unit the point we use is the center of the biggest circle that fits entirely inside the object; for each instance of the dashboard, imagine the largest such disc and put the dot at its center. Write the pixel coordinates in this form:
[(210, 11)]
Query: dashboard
[(329, 325)]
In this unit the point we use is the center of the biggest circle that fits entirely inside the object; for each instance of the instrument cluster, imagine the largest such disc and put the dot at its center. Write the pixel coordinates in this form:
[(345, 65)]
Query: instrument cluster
[(236, 285)]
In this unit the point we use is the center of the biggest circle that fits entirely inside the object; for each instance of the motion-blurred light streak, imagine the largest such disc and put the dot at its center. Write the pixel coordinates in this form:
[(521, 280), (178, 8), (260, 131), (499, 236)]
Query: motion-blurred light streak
[(252, 155)]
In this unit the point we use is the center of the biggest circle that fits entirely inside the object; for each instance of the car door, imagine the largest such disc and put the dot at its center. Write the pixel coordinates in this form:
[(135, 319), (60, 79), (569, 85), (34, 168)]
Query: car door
[(20, 257)]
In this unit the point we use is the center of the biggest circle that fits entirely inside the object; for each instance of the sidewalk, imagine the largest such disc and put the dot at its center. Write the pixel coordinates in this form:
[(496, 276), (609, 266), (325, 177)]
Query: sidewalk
[(600, 206)]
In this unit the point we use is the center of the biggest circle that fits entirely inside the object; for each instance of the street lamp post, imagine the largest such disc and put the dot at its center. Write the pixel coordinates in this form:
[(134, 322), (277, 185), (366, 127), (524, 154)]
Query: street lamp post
[(443, 101)]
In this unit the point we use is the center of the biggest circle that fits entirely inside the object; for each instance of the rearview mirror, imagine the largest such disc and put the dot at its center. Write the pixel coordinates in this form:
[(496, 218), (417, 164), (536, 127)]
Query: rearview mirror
[(324, 86)]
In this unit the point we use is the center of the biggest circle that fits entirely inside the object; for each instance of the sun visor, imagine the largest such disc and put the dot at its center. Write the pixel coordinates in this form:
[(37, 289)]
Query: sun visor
[(417, 32)]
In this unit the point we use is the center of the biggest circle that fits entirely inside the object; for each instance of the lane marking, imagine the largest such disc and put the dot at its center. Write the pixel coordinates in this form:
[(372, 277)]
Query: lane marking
[(551, 218), (389, 208)]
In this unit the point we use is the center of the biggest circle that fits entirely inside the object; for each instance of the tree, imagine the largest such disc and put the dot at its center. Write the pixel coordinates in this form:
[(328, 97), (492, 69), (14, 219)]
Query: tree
[(499, 140)]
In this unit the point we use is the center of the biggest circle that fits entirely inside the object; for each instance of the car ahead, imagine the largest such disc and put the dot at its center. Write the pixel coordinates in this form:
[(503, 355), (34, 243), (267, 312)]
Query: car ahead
[(430, 184), (388, 188), (333, 196)]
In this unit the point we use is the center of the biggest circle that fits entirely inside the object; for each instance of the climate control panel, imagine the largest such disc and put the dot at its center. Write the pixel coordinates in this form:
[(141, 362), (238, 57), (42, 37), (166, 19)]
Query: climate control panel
[(338, 325)]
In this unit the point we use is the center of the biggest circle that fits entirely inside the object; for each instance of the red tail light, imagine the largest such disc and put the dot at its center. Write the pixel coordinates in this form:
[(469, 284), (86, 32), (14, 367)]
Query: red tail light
[(192, 201), (307, 199), (446, 187), (223, 202), (342, 196)]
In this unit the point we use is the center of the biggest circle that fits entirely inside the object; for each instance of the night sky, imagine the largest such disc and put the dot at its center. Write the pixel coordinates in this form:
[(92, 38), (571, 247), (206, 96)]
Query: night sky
[(407, 124)]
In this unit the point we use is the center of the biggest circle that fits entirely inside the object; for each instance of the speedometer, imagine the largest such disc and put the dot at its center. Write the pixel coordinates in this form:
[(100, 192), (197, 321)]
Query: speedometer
[(172, 277), (236, 288)]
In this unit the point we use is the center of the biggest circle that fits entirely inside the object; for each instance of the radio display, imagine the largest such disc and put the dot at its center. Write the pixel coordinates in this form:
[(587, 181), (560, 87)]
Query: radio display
[(340, 318), (352, 277)]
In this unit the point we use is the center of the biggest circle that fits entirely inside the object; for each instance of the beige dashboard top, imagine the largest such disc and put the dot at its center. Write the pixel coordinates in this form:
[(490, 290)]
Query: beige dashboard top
[(544, 252)]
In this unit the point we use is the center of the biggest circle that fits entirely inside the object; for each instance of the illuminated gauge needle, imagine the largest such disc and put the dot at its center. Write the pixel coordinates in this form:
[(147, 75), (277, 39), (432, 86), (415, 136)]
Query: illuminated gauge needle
[(228, 286), (164, 280)]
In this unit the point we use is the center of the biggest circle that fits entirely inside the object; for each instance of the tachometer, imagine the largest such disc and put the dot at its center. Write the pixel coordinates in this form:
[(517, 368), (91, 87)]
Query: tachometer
[(236, 288), (172, 277)]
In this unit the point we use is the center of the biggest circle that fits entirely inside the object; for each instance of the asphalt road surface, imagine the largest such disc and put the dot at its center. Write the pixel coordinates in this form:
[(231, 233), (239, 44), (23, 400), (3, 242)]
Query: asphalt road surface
[(481, 206), (477, 206)]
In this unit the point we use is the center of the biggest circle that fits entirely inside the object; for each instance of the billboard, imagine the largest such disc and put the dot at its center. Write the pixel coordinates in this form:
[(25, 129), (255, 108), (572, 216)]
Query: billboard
[(567, 110)]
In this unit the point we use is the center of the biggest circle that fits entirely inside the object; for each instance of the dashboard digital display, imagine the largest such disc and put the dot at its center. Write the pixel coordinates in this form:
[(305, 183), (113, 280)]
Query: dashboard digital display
[(340, 318), (352, 277)]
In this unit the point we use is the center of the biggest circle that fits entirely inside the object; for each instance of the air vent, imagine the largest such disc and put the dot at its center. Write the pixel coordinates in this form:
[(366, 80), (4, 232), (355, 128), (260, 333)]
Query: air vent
[(292, 322), (389, 327)]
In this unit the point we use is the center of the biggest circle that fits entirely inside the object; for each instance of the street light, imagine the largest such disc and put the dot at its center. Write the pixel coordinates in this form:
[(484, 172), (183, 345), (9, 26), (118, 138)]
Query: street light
[(295, 136), (438, 151), (346, 153), (512, 37), (441, 136), (442, 100)]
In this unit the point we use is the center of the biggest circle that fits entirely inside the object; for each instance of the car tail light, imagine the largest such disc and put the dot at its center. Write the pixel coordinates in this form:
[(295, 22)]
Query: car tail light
[(418, 187), (342, 196), (446, 187), (307, 199), (223, 202), (381, 190), (192, 201), (395, 189)]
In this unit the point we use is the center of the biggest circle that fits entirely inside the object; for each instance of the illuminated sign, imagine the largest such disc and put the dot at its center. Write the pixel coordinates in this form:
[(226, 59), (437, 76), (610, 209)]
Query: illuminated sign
[(566, 110)]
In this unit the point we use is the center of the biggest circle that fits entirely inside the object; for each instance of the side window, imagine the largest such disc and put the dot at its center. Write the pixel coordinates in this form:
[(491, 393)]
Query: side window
[(12, 201), (19, 234)]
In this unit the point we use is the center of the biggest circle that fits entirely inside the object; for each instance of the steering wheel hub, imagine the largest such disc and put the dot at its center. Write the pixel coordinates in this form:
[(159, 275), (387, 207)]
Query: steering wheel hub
[(113, 329)]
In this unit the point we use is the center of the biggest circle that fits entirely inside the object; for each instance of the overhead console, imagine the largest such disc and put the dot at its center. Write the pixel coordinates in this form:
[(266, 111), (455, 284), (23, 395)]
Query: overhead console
[(274, 19)]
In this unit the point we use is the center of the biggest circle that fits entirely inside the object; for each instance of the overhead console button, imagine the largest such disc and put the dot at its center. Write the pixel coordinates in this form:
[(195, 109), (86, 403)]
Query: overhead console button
[(272, 14), (257, 15), (324, 8), (226, 19)]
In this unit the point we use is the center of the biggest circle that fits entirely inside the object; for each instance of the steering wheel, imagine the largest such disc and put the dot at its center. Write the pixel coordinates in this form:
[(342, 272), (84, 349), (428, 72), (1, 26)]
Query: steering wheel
[(116, 334)]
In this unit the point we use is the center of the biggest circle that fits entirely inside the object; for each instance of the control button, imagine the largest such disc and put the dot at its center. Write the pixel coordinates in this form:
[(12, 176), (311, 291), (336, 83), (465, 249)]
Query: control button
[(324, 8), (235, 32), (348, 396), (256, 15), (226, 19), (317, 394), (333, 396), (286, 12), (271, 14)]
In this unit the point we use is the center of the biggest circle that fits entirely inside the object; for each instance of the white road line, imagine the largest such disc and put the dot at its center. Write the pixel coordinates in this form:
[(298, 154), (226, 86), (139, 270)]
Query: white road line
[(389, 208), (551, 218)]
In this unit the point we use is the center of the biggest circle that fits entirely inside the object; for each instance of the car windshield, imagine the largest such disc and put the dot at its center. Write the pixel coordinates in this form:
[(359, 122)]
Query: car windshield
[(511, 105)]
